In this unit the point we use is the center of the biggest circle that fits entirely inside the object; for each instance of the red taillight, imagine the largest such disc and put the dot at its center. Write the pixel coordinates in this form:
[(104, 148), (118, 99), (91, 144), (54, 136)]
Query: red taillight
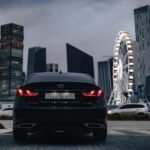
[(94, 93), (26, 92), (100, 93), (20, 92)]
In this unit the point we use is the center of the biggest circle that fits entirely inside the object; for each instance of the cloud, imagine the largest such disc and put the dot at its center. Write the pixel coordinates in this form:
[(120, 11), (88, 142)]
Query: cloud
[(90, 25)]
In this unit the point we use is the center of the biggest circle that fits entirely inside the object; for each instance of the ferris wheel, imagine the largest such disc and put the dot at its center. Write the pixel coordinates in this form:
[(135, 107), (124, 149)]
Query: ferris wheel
[(123, 69)]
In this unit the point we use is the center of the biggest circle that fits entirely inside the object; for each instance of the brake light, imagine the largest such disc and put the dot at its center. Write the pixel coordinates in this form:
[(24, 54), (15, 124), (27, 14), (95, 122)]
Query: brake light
[(100, 93), (20, 92), (94, 93), (26, 92)]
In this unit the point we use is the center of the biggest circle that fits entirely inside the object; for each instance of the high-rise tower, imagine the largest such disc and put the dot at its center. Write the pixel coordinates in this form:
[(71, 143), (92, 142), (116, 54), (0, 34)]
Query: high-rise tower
[(11, 59), (36, 60), (142, 30)]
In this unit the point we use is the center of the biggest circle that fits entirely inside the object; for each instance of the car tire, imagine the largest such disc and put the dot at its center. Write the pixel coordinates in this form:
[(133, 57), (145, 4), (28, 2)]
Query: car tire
[(19, 135), (100, 134), (142, 115)]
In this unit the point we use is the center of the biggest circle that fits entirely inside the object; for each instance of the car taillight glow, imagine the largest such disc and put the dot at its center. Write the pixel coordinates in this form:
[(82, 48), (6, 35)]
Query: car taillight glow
[(99, 93), (26, 92), (94, 93), (20, 92)]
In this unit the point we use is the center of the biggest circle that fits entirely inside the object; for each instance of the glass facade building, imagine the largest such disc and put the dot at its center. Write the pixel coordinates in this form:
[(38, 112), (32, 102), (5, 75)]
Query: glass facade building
[(142, 30), (79, 61), (105, 76), (147, 88), (36, 60), (11, 60)]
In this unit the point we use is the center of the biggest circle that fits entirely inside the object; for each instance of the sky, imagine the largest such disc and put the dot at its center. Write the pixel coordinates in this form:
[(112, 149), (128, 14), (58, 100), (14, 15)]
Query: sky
[(90, 25)]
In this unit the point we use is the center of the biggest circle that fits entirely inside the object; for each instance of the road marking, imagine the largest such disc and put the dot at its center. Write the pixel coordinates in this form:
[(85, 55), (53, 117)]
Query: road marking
[(110, 132), (142, 131), (2, 131), (125, 132), (114, 132)]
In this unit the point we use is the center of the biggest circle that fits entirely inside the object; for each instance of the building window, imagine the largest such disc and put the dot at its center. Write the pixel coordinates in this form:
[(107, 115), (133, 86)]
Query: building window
[(16, 73), (17, 53), (143, 34), (51, 65), (13, 90), (143, 46), (15, 62)]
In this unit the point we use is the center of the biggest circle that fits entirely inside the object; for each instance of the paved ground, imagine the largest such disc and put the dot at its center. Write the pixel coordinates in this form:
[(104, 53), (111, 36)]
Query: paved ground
[(7, 123), (124, 135)]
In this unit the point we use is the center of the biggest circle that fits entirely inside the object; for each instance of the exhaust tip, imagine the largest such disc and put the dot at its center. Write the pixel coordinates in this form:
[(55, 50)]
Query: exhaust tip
[(93, 125), (26, 125)]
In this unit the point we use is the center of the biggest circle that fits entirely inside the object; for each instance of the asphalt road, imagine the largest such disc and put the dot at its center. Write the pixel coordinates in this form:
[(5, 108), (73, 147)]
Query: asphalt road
[(7, 123), (122, 135)]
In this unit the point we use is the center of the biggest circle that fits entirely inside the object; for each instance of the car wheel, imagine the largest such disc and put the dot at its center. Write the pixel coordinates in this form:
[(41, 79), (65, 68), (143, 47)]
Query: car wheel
[(100, 134), (19, 135), (142, 115)]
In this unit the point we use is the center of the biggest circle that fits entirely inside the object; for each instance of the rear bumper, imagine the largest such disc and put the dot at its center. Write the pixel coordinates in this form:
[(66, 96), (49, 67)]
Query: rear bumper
[(59, 118)]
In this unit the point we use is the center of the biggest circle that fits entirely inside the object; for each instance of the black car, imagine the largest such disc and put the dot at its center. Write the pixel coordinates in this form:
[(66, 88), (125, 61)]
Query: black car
[(68, 102)]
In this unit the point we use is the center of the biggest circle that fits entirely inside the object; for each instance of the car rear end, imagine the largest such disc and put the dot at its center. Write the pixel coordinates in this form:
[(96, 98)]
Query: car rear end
[(64, 105), (142, 109)]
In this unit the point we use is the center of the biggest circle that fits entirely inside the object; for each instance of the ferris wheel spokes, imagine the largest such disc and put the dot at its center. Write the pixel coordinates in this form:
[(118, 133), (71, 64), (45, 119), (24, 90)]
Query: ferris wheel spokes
[(123, 68)]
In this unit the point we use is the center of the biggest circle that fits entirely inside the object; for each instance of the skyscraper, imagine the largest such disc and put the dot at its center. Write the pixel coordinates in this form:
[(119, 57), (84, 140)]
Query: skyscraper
[(36, 60), (142, 30), (137, 70), (79, 61), (147, 88), (11, 59), (105, 76)]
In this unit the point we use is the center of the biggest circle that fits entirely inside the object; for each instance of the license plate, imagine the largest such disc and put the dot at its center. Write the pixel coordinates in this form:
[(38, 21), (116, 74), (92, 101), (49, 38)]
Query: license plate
[(55, 95)]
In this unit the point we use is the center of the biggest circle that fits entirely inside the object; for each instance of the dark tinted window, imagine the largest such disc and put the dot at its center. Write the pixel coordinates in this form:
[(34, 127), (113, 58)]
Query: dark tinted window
[(57, 77), (138, 106), (7, 109), (125, 106), (132, 106)]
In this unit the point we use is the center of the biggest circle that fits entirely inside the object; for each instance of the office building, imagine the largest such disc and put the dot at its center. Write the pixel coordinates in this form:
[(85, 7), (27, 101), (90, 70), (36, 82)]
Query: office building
[(147, 88), (11, 60), (52, 67), (36, 60), (142, 30), (79, 61), (105, 76)]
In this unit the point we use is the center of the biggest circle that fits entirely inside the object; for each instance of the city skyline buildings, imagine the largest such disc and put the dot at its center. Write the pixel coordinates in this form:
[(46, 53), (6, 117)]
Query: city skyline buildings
[(11, 60), (79, 61), (90, 29), (36, 60), (142, 30), (105, 76)]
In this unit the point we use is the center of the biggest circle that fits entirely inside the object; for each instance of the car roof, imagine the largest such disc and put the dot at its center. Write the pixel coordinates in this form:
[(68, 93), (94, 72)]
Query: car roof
[(60, 77)]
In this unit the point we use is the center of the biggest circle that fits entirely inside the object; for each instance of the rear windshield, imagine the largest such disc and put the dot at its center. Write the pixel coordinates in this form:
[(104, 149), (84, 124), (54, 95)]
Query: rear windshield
[(57, 77)]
